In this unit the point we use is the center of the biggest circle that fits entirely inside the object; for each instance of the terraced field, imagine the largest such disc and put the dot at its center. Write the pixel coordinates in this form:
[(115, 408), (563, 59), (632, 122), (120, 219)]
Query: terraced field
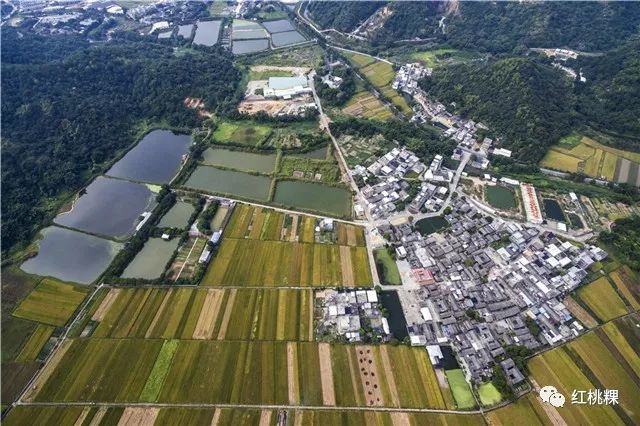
[(606, 358), (129, 370), (187, 313)]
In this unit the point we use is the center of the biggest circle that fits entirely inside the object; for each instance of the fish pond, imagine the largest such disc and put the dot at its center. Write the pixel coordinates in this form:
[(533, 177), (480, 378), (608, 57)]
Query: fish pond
[(248, 34), (553, 210), (249, 46), (500, 197), (150, 262), (396, 319), (281, 25), (185, 31), (71, 256), (313, 196), (240, 160), (110, 207), (177, 216), (576, 222), (207, 33), (430, 225), (286, 38), (229, 182), (155, 159)]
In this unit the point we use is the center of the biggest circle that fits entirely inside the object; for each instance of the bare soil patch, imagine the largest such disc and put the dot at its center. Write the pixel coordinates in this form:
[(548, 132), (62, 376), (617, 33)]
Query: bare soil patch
[(292, 373), (579, 312), (137, 416), (265, 418), (400, 419)]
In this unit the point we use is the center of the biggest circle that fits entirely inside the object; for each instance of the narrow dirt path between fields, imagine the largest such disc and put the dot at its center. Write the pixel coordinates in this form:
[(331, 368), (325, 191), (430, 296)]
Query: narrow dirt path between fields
[(47, 371), (326, 374), (294, 228), (216, 417), (97, 419), (83, 416)]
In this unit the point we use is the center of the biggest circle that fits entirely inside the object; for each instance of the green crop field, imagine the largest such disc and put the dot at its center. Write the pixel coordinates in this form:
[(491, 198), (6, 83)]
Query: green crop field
[(624, 344), (525, 411), (364, 104), (488, 394), (379, 73), (241, 133), (159, 372), (264, 75), (390, 272), (238, 314), (36, 341), (130, 370), (606, 363), (460, 389), (557, 368), (276, 263), (51, 302), (358, 60), (602, 299)]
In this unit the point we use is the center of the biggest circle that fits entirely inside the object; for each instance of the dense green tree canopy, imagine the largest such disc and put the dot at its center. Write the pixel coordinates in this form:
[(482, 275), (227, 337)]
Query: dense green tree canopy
[(68, 110), (530, 104)]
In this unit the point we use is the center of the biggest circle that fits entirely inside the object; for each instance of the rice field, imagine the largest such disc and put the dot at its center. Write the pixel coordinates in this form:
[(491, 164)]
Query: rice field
[(364, 104), (68, 416), (628, 284), (525, 411), (36, 342), (602, 299), (201, 314), (52, 302), (246, 262), (256, 223), (580, 154), (605, 358), (297, 373)]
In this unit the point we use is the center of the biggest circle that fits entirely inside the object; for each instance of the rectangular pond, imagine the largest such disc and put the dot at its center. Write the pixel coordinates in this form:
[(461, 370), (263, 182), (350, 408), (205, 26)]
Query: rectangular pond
[(249, 46), (247, 161), (185, 31), (316, 154), (313, 196), (165, 35), (177, 216), (207, 33), (71, 256), (149, 263), (248, 34), (286, 38), (155, 159), (229, 182), (279, 26), (110, 207)]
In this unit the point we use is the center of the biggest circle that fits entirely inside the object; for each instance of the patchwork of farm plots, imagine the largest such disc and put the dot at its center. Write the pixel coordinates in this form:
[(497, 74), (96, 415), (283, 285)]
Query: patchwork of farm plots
[(364, 104), (188, 313), (606, 358), (609, 298), (31, 415), (380, 74), (296, 373), (268, 248), (584, 155)]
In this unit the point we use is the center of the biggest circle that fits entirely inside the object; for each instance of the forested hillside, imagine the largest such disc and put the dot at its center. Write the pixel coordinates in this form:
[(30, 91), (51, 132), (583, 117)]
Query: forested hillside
[(66, 114), (342, 16), (529, 103), (610, 98), (498, 27)]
